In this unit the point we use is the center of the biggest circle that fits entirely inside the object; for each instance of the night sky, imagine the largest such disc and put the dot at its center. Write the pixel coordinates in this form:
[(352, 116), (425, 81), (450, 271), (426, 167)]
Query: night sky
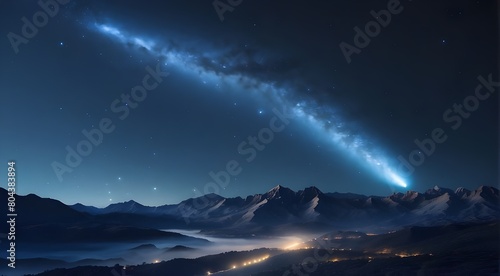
[(325, 119)]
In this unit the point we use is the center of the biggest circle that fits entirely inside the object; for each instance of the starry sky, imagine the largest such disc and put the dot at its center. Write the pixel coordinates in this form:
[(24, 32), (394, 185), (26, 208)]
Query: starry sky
[(177, 93)]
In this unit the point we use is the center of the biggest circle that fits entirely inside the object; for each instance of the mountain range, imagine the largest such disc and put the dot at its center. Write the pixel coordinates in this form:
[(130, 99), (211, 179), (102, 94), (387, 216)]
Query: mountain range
[(283, 206), (280, 209), (49, 223)]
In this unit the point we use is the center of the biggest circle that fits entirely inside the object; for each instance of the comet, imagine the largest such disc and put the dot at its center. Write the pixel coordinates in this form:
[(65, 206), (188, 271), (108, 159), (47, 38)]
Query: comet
[(323, 120)]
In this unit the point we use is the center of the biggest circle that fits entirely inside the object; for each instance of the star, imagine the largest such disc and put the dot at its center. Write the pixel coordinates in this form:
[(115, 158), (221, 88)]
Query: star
[(61, 43)]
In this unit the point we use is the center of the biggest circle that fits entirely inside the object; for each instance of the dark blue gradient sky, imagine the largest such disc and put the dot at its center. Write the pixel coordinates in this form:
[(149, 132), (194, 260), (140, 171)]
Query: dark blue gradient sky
[(349, 122)]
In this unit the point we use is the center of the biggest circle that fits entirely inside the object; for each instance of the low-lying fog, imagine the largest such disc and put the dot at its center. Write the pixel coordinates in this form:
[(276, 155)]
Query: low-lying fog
[(161, 252), (219, 245)]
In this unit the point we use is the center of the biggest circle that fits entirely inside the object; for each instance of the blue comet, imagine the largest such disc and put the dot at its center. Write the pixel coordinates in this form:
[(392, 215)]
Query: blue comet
[(322, 119)]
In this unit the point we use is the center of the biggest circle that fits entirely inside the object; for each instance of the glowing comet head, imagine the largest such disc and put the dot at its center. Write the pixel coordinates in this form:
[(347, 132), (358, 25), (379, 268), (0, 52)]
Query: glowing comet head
[(333, 128), (396, 179)]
